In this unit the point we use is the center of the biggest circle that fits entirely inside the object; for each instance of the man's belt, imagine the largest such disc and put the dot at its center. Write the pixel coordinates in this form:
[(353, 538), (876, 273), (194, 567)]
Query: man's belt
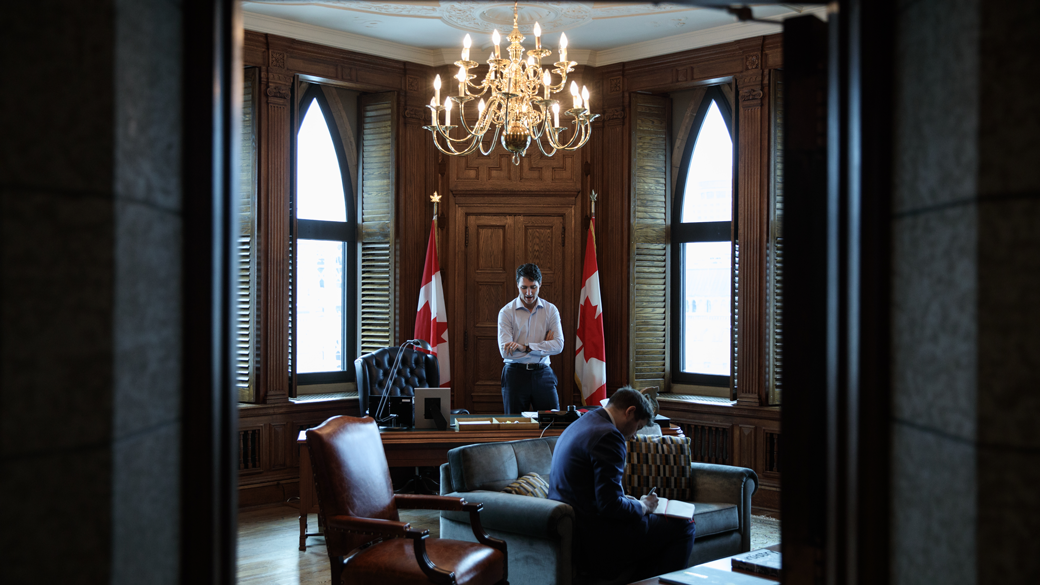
[(537, 366)]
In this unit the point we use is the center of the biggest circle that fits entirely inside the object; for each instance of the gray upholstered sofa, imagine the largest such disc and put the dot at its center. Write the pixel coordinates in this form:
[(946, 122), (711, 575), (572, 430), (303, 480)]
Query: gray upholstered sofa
[(540, 531)]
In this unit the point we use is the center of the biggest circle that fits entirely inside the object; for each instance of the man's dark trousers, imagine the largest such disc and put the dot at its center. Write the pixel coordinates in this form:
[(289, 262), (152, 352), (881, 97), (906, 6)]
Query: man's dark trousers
[(528, 387), (653, 545)]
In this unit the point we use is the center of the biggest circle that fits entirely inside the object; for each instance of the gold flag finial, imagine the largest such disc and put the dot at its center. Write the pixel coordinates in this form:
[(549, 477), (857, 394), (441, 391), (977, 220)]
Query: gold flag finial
[(436, 199), (593, 197)]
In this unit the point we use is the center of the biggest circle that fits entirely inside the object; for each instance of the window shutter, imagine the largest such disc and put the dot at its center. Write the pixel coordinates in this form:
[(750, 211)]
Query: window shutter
[(245, 248), (650, 246), (735, 308), (775, 251), (375, 228)]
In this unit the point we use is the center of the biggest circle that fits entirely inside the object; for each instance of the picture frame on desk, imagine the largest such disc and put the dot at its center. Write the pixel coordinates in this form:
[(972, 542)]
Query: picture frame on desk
[(429, 403)]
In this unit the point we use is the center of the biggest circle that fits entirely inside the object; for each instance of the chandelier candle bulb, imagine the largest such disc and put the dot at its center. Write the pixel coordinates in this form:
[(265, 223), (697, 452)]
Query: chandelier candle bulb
[(496, 39), (585, 97), (546, 82), (437, 89), (574, 93), (537, 37), (466, 43), (563, 47)]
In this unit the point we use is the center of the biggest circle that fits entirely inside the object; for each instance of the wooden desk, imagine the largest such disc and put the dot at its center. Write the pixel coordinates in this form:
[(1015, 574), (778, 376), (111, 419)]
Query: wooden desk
[(414, 448), (722, 565)]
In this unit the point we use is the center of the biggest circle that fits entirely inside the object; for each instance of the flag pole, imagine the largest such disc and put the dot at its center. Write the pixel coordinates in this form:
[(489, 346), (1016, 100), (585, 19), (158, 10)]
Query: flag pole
[(436, 199), (593, 197)]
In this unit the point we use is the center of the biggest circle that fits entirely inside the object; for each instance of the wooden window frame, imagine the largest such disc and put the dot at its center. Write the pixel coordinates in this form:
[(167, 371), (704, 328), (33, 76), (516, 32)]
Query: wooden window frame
[(309, 229), (682, 233)]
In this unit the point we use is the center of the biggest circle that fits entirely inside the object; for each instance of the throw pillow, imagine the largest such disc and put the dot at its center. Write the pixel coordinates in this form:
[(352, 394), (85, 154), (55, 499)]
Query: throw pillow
[(531, 484), (662, 462)]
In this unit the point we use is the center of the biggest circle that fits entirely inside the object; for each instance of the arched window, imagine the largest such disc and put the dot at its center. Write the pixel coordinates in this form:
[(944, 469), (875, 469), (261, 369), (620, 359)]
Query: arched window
[(324, 247), (702, 248)]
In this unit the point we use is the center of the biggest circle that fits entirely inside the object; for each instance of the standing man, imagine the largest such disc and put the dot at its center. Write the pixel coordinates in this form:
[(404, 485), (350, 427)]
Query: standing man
[(529, 331), (614, 534)]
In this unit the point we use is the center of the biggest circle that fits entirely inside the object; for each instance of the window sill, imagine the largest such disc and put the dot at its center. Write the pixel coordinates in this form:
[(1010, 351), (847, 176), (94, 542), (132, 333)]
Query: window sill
[(326, 397), (713, 400)]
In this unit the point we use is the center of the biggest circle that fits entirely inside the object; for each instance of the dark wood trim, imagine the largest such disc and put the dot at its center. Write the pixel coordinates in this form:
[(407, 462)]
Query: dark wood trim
[(860, 81), (804, 415), (752, 229), (871, 89), (212, 81)]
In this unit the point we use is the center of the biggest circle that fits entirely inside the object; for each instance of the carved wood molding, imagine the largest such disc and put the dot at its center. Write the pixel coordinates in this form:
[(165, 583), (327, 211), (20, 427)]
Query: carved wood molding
[(279, 91), (415, 113), (751, 98), (277, 60)]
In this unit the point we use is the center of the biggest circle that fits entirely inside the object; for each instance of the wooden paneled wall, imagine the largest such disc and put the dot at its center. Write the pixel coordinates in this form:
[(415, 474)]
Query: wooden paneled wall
[(602, 165)]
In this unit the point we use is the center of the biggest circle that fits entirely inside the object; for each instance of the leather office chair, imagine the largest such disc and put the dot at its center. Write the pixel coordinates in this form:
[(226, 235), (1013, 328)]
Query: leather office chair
[(363, 533), (417, 370)]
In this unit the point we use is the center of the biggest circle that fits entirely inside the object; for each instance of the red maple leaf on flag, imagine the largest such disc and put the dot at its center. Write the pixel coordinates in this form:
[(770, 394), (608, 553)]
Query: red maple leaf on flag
[(594, 345)]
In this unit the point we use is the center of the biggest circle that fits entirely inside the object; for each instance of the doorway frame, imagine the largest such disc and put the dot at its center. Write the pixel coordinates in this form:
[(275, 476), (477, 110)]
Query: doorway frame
[(501, 203)]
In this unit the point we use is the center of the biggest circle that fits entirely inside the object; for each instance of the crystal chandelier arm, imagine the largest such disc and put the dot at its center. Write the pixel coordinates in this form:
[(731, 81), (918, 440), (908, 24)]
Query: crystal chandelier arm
[(581, 132), (448, 148), (538, 141), (494, 142)]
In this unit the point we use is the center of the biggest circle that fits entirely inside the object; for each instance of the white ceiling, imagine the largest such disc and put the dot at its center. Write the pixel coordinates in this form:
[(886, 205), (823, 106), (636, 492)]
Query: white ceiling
[(431, 32)]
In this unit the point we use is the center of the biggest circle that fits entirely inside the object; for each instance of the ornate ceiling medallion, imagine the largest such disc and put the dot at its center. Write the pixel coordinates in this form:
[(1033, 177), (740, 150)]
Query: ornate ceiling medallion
[(485, 17)]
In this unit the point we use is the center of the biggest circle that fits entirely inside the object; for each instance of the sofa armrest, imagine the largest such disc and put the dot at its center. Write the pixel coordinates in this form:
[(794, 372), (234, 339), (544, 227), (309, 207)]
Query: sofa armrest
[(726, 484), (446, 486), (534, 517)]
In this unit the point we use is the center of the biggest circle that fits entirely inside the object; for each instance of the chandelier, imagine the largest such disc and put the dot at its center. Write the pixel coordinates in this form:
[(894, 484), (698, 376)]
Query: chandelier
[(519, 106)]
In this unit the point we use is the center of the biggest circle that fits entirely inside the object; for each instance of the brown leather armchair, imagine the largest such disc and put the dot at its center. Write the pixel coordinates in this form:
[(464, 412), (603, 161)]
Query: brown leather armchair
[(363, 532)]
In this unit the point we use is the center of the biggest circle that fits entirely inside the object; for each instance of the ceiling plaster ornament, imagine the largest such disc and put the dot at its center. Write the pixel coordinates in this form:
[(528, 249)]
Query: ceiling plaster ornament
[(485, 17)]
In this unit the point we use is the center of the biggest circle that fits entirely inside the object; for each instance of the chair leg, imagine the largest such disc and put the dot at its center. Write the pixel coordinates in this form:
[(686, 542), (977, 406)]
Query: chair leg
[(420, 484), (337, 569)]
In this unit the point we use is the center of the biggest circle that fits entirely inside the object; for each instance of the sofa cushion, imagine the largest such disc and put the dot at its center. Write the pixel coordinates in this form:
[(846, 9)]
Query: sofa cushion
[(716, 518), (493, 466), (661, 462), (531, 484)]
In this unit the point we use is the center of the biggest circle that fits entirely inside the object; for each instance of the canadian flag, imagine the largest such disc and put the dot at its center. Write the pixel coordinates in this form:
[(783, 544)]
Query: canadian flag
[(590, 360), (431, 320)]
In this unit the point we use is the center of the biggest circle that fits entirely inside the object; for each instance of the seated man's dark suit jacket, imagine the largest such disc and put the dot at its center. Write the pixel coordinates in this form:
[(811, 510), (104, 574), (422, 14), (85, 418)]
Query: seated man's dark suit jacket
[(587, 467)]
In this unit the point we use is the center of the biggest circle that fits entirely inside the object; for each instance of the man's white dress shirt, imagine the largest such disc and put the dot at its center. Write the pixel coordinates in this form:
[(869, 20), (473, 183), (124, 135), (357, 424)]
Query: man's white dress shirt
[(517, 323)]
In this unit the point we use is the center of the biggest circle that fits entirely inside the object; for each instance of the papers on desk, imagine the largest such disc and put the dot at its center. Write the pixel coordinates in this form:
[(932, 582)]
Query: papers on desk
[(532, 414), (707, 576)]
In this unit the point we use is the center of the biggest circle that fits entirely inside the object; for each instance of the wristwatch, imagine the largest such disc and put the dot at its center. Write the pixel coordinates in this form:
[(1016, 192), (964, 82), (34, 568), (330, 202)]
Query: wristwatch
[(527, 348)]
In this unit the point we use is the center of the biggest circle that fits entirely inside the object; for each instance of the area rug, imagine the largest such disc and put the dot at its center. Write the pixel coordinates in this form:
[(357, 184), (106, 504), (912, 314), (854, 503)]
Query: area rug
[(765, 531)]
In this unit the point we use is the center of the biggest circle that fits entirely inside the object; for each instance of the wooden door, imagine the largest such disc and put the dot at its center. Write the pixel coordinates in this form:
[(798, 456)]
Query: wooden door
[(495, 243)]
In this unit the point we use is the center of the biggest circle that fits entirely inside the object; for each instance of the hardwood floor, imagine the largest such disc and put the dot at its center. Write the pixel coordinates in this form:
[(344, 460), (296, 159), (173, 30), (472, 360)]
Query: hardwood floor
[(268, 546), (268, 542)]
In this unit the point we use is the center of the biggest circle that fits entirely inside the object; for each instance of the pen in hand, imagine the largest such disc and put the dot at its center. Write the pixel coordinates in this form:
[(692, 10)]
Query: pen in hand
[(652, 490)]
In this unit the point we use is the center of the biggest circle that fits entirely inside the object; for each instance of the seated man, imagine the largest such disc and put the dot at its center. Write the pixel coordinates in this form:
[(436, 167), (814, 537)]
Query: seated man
[(614, 533)]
